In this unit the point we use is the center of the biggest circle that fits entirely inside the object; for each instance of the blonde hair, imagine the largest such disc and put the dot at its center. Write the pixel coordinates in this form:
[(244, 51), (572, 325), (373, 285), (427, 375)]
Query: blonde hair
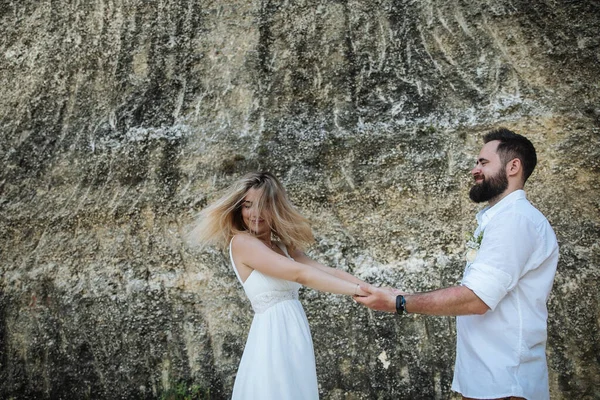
[(218, 223)]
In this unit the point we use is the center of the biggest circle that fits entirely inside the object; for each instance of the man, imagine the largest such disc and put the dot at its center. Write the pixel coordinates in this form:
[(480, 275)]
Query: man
[(501, 302)]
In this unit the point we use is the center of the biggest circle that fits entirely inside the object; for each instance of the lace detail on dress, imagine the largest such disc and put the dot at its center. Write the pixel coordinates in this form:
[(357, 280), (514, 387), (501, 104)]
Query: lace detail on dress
[(261, 302)]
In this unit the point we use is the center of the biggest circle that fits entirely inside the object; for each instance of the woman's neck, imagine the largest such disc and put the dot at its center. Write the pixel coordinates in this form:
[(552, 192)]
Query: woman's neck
[(266, 239)]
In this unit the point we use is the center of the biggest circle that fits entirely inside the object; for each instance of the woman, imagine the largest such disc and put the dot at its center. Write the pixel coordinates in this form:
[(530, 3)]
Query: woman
[(265, 235)]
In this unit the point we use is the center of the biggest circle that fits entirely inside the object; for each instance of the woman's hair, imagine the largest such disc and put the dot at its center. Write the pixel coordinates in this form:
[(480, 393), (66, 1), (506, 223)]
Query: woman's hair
[(219, 222)]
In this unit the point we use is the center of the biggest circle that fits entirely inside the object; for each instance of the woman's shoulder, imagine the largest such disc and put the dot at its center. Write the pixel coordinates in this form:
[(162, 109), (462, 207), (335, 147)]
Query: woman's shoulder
[(243, 239)]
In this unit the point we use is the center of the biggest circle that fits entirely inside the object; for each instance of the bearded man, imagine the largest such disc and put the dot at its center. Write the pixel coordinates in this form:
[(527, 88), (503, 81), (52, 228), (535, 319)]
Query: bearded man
[(500, 304)]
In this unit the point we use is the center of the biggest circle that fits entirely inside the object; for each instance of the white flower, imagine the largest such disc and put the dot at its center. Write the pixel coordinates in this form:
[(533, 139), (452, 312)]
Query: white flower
[(471, 254), (472, 246)]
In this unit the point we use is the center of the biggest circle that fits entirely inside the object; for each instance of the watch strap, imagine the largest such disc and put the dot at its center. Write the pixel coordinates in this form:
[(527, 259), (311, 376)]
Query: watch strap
[(400, 304)]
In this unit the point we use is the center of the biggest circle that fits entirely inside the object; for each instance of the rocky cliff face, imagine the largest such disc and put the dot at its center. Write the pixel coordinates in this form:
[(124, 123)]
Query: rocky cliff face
[(121, 119)]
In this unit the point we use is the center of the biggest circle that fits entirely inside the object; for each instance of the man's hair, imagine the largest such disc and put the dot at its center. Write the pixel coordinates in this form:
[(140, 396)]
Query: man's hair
[(512, 145)]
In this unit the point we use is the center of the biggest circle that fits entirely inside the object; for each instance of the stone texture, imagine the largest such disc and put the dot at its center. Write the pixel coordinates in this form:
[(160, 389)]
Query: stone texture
[(121, 119)]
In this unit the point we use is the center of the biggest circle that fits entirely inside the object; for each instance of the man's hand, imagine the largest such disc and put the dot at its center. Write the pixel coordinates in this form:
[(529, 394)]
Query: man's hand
[(380, 299), (393, 291)]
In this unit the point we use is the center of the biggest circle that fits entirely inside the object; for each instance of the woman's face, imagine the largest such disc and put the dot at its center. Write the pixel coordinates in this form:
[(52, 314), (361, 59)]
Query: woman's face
[(254, 221)]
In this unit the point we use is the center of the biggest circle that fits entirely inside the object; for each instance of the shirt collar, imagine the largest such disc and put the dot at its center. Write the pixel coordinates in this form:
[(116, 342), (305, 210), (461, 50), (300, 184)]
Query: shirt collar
[(484, 216)]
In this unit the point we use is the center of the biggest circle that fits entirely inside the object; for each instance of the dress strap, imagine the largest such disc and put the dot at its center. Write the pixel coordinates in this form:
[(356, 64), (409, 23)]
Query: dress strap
[(283, 248), (233, 263)]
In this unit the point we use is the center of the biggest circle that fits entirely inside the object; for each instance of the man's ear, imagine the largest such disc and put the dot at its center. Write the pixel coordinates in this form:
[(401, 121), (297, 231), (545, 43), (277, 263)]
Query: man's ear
[(514, 167)]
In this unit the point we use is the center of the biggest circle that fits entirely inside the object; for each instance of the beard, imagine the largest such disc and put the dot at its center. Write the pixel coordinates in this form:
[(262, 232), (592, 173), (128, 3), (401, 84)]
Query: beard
[(489, 188)]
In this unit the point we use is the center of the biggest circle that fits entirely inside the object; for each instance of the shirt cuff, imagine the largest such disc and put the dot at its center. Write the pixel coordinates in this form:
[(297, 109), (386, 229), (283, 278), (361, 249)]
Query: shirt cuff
[(488, 283)]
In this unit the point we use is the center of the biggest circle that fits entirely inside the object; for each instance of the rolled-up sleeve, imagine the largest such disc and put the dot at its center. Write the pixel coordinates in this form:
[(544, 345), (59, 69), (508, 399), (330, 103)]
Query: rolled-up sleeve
[(508, 242), (488, 283)]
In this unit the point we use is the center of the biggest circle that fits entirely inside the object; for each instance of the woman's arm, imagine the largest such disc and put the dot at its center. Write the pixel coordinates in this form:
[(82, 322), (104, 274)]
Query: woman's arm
[(254, 254), (304, 259)]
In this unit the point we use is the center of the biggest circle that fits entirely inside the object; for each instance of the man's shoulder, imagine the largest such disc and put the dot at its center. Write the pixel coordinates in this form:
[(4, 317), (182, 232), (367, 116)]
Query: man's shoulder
[(524, 207), (521, 211)]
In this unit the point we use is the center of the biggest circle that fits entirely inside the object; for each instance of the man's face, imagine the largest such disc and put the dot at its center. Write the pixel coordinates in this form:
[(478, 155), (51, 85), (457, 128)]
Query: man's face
[(489, 174)]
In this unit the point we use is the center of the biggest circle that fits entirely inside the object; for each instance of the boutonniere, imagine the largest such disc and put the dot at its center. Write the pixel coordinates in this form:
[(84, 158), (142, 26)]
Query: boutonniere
[(472, 246)]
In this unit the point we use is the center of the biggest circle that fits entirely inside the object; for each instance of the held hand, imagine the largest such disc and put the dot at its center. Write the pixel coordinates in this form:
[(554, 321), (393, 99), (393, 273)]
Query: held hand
[(360, 292), (380, 299), (393, 291)]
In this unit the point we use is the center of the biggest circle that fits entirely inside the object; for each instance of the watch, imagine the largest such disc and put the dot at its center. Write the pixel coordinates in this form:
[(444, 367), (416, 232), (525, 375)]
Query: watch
[(400, 304)]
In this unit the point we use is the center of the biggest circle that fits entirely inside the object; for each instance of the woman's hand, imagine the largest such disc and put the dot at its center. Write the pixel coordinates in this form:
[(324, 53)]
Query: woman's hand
[(360, 292), (380, 299)]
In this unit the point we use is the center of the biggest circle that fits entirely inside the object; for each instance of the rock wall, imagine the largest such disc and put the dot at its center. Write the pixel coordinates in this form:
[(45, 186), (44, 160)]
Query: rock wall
[(121, 119)]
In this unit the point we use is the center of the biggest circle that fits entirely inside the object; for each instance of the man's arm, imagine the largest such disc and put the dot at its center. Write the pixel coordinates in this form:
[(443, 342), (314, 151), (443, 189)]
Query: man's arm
[(455, 300)]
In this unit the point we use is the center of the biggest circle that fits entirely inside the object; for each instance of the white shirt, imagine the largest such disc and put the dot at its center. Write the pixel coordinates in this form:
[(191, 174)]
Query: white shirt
[(503, 352)]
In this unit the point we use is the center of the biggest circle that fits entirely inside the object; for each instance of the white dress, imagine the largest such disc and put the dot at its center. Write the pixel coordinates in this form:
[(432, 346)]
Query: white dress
[(278, 361)]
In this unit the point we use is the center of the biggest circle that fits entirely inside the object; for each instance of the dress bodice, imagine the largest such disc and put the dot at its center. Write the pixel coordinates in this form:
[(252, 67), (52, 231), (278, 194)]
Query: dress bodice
[(263, 290)]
